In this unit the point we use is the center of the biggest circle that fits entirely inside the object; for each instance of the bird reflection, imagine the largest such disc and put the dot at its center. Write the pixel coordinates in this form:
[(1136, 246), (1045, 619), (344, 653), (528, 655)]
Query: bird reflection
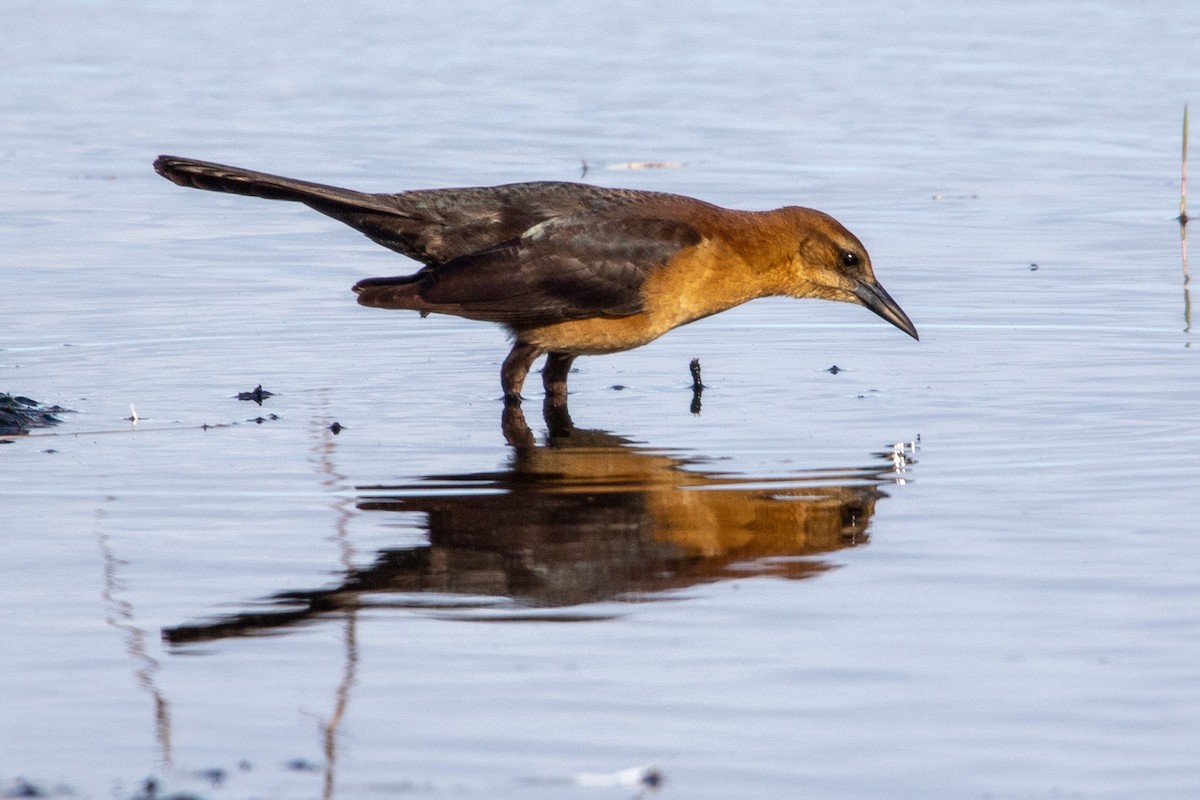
[(584, 517)]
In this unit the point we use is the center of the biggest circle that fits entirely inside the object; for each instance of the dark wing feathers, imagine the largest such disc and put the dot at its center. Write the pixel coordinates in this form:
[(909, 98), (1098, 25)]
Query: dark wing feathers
[(560, 269), (432, 226), (435, 226), (521, 253)]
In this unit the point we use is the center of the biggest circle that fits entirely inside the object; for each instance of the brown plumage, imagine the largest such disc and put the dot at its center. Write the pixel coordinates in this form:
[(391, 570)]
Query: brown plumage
[(572, 269)]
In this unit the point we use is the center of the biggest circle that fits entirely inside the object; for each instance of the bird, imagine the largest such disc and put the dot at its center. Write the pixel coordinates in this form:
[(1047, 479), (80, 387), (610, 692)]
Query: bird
[(573, 269)]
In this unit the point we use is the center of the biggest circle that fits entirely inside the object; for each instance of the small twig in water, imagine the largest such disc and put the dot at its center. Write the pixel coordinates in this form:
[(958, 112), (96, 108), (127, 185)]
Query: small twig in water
[(1183, 220), (1183, 216), (697, 385)]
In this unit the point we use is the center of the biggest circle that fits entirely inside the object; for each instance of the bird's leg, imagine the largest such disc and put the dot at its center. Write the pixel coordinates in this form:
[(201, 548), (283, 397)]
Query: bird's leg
[(558, 420), (516, 367), (554, 377)]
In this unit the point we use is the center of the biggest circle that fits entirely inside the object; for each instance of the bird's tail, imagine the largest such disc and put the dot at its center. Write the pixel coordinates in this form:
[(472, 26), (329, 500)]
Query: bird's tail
[(401, 291), (235, 180)]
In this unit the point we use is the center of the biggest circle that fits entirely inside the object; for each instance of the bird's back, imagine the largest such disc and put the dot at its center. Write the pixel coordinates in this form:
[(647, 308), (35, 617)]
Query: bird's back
[(437, 225)]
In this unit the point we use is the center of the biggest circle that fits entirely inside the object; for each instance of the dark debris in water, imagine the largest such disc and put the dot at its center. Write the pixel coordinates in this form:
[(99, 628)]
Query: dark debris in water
[(652, 778), (22, 787), (152, 791), (151, 787), (21, 415), (257, 395), (215, 776)]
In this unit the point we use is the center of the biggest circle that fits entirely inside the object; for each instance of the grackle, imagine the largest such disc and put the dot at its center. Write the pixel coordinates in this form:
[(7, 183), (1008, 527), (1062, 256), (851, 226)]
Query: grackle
[(572, 269)]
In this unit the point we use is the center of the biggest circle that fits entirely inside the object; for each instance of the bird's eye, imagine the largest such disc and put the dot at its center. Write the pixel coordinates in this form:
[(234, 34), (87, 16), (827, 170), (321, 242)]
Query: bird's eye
[(850, 259)]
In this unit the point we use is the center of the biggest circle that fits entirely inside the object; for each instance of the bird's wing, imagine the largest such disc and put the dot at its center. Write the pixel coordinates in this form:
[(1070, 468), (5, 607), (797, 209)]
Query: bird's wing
[(435, 226), (564, 268), (429, 225)]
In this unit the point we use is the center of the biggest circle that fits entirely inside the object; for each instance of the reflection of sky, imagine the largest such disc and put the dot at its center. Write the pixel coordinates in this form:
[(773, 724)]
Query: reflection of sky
[(1024, 616)]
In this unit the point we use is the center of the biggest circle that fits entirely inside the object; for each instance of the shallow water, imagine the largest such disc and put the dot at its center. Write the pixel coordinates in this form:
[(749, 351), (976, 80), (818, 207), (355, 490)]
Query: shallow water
[(964, 567)]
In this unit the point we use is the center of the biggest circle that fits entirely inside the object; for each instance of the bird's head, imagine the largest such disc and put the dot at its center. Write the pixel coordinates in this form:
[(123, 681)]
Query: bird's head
[(829, 262)]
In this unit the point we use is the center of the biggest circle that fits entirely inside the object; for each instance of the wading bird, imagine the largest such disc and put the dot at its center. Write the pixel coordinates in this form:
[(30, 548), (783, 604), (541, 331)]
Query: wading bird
[(572, 269)]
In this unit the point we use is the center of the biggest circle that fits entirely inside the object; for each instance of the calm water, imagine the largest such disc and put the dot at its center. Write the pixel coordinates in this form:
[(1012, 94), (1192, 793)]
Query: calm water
[(762, 600)]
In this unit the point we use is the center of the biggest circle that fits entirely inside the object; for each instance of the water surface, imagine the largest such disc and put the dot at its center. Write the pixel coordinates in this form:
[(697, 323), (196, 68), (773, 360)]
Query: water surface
[(963, 567)]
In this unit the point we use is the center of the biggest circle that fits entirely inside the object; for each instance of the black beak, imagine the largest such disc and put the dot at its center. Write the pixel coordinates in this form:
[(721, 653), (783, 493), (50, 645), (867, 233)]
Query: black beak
[(873, 296)]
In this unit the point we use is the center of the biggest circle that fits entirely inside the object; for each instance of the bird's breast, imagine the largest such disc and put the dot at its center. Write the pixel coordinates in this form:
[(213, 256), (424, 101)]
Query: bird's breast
[(699, 282), (596, 335)]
